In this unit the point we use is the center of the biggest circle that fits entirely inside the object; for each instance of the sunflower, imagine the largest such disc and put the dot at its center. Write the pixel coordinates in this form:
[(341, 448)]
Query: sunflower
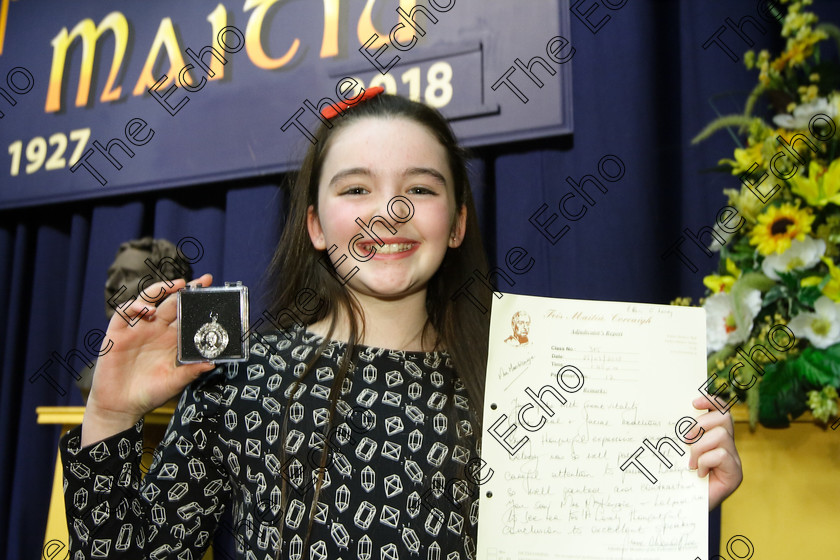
[(778, 226)]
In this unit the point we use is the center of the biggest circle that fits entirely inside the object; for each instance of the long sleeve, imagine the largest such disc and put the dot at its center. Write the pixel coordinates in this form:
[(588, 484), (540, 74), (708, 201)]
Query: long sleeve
[(402, 429), (170, 513)]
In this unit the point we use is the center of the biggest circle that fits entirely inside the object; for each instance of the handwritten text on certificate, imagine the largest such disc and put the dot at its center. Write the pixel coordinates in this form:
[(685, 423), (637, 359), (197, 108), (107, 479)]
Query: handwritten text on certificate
[(573, 389)]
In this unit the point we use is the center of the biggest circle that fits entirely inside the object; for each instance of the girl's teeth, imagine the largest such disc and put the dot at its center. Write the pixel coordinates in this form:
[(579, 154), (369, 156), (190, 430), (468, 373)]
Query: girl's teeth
[(394, 248)]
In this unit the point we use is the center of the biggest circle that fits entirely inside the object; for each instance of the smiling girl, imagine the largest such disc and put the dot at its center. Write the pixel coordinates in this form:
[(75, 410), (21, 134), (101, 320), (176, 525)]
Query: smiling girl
[(352, 435)]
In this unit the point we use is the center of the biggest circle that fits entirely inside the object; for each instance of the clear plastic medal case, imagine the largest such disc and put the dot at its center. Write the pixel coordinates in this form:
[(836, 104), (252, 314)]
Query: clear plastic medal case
[(212, 323)]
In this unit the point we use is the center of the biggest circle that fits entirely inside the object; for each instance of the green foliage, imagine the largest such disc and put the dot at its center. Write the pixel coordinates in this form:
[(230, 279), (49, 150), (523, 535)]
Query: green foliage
[(753, 404), (780, 394), (783, 390), (799, 299), (807, 296), (722, 122), (742, 254)]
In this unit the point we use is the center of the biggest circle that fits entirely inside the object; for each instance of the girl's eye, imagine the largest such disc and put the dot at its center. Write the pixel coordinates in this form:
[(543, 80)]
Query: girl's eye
[(421, 190), (355, 190)]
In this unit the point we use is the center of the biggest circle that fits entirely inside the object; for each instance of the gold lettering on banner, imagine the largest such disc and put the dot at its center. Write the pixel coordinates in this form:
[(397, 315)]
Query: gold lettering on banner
[(366, 28), (329, 45), (166, 46), (165, 38), (218, 20), (253, 37), (89, 34), (4, 15)]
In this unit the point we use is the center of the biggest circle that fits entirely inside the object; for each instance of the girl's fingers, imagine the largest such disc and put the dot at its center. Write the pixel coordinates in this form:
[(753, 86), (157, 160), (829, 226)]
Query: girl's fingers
[(714, 459), (712, 420), (129, 316), (188, 373), (715, 455), (205, 280), (146, 303), (725, 474), (168, 309), (715, 438), (194, 370), (703, 403), (714, 417), (154, 294)]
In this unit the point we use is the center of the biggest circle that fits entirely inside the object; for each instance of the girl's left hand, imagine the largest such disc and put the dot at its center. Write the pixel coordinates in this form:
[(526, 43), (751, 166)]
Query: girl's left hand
[(714, 453)]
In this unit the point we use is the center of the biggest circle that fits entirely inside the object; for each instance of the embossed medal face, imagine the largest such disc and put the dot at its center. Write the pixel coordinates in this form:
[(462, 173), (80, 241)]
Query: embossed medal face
[(211, 339)]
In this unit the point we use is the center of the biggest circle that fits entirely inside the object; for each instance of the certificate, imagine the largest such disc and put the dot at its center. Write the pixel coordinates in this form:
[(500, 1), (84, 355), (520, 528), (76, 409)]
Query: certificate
[(587, 412)]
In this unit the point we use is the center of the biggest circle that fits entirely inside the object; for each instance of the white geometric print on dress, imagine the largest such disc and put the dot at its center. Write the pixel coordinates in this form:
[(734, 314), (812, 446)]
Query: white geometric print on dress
[(393, 486)]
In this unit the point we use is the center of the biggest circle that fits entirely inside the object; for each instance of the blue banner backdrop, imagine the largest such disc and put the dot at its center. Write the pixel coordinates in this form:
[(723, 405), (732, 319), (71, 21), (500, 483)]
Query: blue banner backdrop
[(235, 88)]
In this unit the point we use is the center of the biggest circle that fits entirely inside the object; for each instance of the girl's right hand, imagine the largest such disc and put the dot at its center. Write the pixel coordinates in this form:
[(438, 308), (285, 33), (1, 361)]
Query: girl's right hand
[(139, 373)]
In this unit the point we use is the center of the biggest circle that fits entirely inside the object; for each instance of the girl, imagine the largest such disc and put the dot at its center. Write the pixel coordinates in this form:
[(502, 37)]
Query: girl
[(352, 436)]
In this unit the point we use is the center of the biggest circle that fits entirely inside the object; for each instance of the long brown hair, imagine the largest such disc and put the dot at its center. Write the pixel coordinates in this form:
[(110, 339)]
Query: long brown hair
[(460, 327)]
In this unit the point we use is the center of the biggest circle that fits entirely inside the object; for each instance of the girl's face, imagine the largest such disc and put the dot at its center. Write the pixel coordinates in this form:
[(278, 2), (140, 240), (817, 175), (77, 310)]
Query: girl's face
[(368, 164)]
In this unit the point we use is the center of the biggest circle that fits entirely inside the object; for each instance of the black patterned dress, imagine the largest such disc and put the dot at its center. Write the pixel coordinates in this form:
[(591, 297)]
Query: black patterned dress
[(396, 483)]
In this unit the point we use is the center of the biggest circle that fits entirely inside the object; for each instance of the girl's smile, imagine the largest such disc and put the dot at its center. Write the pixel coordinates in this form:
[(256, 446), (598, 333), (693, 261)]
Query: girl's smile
[(393, 248)]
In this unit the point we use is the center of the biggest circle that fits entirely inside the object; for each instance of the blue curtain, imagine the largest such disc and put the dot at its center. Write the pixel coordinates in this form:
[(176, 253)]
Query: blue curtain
[(642, 87)]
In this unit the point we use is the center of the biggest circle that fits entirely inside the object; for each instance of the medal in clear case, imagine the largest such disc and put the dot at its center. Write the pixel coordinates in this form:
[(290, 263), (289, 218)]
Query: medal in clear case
[(212, 323)]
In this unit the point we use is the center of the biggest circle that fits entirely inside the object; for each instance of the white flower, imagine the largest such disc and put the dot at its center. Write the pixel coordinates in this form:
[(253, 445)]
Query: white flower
[(725, 235), (800, 255), (723, 326), (822, 328), (802, 114)]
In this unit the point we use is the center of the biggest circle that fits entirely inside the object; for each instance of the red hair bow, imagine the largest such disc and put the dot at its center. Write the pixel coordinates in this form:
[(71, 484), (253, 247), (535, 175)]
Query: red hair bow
[(329, 111)]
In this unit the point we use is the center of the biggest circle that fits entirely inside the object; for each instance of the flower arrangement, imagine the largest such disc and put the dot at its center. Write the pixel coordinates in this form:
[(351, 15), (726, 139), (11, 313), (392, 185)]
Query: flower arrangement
[(779, 254)]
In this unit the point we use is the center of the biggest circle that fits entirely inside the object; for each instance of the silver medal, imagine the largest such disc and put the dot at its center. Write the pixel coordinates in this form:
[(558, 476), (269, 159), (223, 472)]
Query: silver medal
[(211, 339)]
